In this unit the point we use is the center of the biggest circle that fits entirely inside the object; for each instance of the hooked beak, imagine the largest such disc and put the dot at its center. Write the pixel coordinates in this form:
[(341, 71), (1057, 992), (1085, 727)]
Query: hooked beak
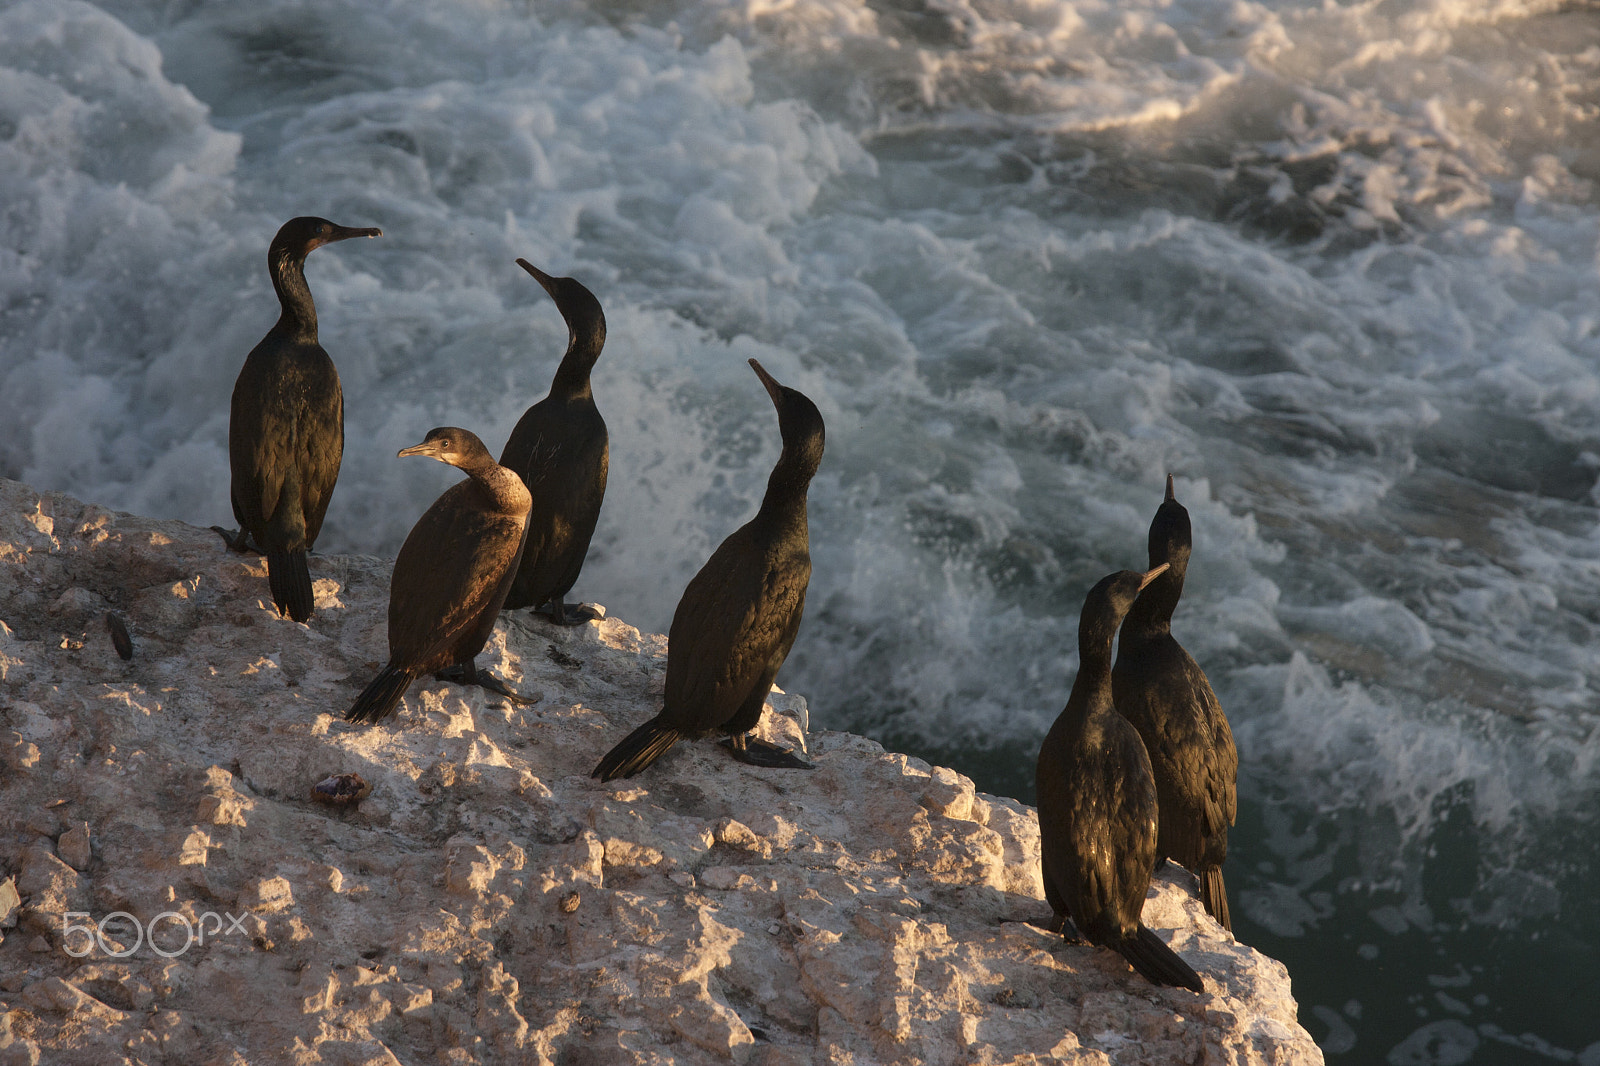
[(545, 281), (344, 233), (1151, 575), (430, 448), (769, 381)]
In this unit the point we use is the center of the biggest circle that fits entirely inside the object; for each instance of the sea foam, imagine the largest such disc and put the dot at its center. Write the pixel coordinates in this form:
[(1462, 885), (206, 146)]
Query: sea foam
[(1333, 266)]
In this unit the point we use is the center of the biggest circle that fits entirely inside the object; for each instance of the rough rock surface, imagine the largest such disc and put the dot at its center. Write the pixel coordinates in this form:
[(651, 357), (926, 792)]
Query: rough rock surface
[(489, 902)]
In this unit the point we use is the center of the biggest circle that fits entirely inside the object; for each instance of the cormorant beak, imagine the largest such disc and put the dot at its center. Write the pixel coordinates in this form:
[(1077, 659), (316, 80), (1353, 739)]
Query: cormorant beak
[(1171, 496), (770, 382), (433, 449), (1152, 575), (344, 233), (545, 281)]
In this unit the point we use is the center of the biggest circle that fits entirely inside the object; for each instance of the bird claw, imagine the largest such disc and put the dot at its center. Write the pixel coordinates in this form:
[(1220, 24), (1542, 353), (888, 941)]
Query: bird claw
[(499, 688), (756, 752), (1056, 925), (566, 614), (237, 541), (460, 675)]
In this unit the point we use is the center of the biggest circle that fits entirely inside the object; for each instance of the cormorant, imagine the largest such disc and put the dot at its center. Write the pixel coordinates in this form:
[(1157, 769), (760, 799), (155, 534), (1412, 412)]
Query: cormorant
[(1097, 802), (286, 427), (451, 575), (1161, 689), (739, 615), (561, 450)]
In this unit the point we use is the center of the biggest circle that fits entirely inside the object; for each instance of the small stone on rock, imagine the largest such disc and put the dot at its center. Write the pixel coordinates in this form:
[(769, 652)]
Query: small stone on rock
[(10, 902), (73, 846), (341, 790)]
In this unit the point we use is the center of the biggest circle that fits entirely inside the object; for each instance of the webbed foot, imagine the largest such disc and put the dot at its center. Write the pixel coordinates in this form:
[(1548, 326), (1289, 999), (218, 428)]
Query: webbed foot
[(557, 612), (1056, 924), (756, 752), (237, 541), (467, 673)]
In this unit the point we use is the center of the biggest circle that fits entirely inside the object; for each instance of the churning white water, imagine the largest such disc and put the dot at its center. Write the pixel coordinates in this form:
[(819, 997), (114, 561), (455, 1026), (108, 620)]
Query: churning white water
[(1334, 265)]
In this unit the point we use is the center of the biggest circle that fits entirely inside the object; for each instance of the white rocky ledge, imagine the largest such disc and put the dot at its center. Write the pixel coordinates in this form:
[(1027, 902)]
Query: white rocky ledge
[(489, 902)]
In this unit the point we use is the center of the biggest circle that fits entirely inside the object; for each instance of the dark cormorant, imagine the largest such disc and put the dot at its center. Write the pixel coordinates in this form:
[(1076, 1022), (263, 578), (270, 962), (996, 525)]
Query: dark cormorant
[(1161, 689), (286, 428), (739, 615), (561, 450), (451, 575), (1097, 802)]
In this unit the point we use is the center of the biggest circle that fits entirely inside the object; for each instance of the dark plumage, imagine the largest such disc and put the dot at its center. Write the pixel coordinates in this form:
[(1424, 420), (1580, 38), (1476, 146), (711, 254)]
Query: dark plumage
[(1161, 689), (1097, 802), (561, 450), (451, 575), (739, 615), (286, 427)]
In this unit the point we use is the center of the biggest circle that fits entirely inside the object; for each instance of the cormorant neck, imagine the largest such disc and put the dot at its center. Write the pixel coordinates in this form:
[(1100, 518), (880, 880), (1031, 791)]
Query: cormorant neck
[(504, 486), (783, 511), (299, 316), (1094, 649), (1151, 613), (787, 484), (1090, 701), (583, 349)]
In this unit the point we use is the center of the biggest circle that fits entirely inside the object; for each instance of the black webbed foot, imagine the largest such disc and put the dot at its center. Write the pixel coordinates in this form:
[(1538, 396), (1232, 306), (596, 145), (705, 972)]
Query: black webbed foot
[(493, 684), (560, 613), (237, 541), (467, 673), (749, 749), (1055, 924)]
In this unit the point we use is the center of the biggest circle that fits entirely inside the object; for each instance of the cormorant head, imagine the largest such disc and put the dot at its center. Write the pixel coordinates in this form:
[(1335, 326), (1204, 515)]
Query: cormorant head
[(799, 421), (301, 234), (1170, 535), (297, 237), (586, 322), (1107, 603), (450, 444)]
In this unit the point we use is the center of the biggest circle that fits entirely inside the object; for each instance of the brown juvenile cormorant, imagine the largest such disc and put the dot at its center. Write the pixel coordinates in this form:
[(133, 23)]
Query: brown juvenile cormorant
[(286, 428), (561, 450), (1097, 802), (1161, 689), (739, 615), (451, 575)]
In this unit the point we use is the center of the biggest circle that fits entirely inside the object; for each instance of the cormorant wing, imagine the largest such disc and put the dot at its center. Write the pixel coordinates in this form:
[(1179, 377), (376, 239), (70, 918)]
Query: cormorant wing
[(1112, 830), (1221, 787), (454, 563), (734, 625)]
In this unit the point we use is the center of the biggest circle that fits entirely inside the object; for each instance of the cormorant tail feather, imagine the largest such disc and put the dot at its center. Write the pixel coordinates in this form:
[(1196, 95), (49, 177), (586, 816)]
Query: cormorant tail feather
[(637, 750), (1214, 894), (290, 581), (1148, 954), (379, 698)]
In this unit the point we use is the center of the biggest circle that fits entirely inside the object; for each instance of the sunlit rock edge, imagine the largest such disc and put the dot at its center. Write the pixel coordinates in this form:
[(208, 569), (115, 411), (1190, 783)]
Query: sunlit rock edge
[(489, 902)]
